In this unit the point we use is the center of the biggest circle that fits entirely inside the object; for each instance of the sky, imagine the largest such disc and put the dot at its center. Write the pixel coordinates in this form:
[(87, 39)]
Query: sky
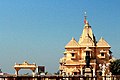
[(37, 30)]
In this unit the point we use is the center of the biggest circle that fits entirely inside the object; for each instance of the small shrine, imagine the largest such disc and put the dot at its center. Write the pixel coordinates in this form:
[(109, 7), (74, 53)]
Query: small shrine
[(25, 65)]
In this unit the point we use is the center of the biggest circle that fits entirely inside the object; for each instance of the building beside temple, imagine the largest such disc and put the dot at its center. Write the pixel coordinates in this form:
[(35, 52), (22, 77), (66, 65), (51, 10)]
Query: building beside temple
[(87, 56)]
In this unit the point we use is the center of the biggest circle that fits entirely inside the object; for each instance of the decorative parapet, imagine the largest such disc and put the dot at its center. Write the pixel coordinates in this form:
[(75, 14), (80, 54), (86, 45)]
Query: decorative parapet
[(25, 64)]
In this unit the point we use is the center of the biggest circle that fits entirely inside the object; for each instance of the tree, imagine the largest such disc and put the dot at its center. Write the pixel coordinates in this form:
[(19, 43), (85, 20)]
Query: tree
[(57, 73), (115, 67)]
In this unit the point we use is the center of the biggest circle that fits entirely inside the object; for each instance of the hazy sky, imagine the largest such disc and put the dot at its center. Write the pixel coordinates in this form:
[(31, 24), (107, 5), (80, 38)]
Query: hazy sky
[(38, 30)]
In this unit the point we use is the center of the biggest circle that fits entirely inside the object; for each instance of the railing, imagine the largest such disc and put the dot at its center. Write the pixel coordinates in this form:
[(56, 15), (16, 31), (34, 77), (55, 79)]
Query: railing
[(46, 77)]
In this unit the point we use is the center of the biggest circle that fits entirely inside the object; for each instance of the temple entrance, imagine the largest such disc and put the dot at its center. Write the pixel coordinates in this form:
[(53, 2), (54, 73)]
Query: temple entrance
[(25, 72), (75, 73), (25, 65), (88, 71)]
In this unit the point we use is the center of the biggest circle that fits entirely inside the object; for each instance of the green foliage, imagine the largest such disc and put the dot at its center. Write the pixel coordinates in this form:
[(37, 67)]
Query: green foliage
[(57, 73), (115, 67)]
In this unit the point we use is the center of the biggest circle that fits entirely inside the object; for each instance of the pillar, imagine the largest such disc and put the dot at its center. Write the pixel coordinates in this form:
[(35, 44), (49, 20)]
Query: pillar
[(94, 70), (94, 73), (33, 73), (16, 72), (81, 71)]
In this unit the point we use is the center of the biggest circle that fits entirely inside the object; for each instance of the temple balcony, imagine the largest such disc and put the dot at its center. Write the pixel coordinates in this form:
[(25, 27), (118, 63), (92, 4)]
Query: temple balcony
[(81, 61), (71, 62)]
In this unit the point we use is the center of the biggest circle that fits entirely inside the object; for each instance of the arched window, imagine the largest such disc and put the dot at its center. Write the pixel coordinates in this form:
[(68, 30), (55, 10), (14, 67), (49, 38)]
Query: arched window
[(73, 55), (102, 54)]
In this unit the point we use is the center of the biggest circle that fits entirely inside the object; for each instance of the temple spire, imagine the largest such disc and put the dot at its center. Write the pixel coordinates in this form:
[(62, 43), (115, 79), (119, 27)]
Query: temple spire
[(87, 38)]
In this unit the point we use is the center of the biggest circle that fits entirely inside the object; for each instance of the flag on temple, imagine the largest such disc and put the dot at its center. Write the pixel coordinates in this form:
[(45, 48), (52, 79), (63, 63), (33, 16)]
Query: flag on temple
[(85, 21)]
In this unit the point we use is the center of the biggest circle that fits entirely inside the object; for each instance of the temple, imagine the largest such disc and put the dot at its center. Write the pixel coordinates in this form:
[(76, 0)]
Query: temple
[(86, 57)]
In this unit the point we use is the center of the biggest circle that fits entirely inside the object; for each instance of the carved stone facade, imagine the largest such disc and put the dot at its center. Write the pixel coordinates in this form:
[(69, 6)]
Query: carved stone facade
[(74, 59)]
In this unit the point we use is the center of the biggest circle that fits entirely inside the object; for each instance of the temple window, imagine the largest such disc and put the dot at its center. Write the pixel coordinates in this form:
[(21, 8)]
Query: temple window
[(72, 54), (102, 54)]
